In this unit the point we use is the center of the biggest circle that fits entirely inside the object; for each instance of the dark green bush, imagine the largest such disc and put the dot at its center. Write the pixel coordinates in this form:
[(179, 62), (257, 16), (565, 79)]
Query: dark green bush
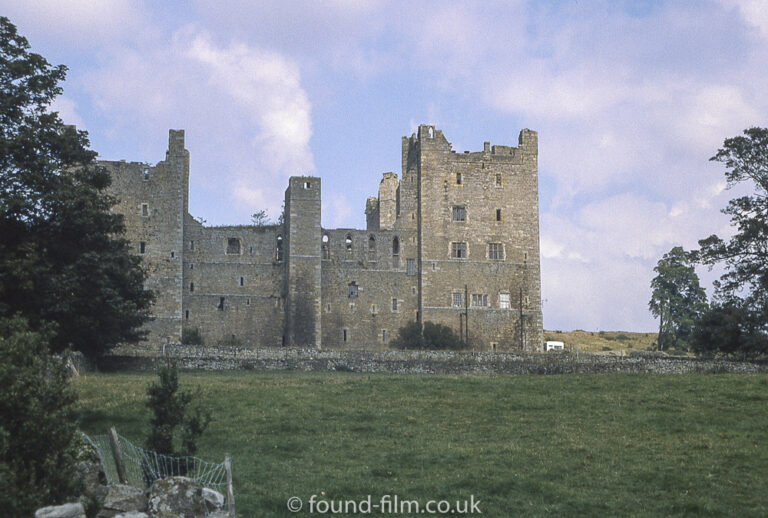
[(191, 336), (430, 336)]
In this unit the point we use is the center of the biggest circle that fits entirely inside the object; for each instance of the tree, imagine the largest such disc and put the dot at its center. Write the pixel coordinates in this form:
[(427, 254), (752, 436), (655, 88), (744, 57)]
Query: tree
[(37, 431), (744, 285), (259, 218), (63, 259), (728, 328), (677, 299), (429, 336), (173, 417)]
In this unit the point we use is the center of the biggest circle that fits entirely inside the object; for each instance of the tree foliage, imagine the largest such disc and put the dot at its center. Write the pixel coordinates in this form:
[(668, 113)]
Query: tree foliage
[(429, 336), (677, 299), (37, 431), (176, 425), (743, 289), (62, 257)]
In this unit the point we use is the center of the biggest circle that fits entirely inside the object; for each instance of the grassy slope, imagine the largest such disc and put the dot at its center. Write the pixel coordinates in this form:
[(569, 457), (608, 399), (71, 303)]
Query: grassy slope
[(603, 340), (609, 445)]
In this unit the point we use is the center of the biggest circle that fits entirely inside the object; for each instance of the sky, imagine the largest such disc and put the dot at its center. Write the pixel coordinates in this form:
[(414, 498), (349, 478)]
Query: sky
[(630, 100)]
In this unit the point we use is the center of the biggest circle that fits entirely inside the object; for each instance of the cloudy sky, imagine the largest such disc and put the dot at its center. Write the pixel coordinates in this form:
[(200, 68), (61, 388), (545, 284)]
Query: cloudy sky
[(630, 99)]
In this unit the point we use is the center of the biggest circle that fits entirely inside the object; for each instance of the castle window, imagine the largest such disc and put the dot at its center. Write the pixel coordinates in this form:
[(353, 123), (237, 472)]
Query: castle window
[(394, 305), (186, 315), (352, 307), (504, 300), (191, 245), (458, 300), (327, 308), (173, 254), (345, 335), (307, 185), (395, 253), (383, 335), (144, 210), (498, 179), (191, 266), (498, 214), (146, 173), (191, 287), (410, 267), (525, 256), (142, 247), (371, 248), (348, 245), (459, 213), (352, 290), (279, 247), (250, 250), (242, 281), (479, 300), (248, 301), (326, 252), (458, 178), (221, 304), (495, 251), (493, 346), (458, 250), (233, 246), (374, 309)]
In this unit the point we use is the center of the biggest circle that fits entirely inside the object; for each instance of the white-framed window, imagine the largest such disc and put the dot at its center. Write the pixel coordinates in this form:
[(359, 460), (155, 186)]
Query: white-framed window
[(458, 250), (479, 300), (504, 300), (410, 267), (458, 213), (495, 251), (457, 300)]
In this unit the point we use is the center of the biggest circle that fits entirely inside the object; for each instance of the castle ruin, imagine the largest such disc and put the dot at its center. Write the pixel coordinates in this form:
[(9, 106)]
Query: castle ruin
[(454, 241)]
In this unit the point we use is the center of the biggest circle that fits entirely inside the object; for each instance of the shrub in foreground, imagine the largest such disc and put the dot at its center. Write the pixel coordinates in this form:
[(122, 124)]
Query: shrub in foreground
[(429, 336)]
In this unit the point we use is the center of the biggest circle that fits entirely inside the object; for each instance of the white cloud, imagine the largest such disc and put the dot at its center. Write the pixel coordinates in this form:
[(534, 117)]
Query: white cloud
[(67, 111), (244, 110)]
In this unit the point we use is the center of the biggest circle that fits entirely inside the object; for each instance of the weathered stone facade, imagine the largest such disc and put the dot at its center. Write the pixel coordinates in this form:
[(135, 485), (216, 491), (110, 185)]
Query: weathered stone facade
[(454, 241)]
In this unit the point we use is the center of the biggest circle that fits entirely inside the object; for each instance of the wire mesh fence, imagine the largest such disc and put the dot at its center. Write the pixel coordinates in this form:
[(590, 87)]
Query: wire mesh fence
[(142, 467)]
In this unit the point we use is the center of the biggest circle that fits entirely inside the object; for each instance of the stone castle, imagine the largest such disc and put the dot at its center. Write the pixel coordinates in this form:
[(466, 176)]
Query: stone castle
[(454, 241)]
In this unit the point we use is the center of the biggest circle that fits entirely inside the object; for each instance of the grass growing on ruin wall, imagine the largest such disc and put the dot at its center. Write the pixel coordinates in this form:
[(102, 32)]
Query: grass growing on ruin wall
[(578, 445)]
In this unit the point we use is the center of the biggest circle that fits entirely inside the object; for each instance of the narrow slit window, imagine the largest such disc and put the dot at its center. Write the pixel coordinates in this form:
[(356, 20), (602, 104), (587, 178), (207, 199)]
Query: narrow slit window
[(221, 304), (498, 179), (242, 281), (458, 178), (191, 287), (144, 210), (186, 315), (279, 248), (142, 247), (498, 214)]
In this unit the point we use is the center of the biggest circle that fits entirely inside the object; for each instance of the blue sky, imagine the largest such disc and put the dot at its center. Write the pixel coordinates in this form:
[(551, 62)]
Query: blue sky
[(630, 99)]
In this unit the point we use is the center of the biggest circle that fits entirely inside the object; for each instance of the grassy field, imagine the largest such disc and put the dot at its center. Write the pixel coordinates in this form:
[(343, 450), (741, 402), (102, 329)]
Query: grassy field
[(597, 341), (578, 445)]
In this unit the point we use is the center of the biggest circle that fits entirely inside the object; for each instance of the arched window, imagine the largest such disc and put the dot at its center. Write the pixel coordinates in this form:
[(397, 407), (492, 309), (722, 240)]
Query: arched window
[(395, 253), (348, 245), (279, 247), (324, 248), (371, 248)]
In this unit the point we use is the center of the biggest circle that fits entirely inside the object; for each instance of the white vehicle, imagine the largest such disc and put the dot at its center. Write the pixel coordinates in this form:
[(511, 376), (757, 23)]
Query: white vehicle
[(554, 346)]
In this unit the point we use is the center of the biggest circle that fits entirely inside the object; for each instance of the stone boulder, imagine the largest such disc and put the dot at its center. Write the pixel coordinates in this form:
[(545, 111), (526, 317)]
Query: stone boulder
[(61, 511), (214, 500), (178, 497), (121, 498)]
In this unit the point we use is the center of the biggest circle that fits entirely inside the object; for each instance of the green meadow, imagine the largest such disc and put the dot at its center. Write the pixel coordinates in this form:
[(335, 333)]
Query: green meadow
[(575, 445)]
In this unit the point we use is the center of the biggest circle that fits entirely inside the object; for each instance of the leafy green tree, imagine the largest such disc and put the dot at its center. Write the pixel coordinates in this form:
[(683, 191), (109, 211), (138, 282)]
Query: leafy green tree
[(176, 425), (63, 259), (744, 285), (677, 299), (727, 328), (429, 336), (37, 430), (260, 218)]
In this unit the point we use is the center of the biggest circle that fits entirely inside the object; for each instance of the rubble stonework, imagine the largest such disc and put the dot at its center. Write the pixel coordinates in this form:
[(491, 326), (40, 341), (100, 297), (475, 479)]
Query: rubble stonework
[(455, 241)]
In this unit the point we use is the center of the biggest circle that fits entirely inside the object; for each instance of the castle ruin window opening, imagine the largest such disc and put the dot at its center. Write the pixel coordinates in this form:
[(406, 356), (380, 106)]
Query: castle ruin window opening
[(279, 248), (307, 185), (233, 246), (325, 251), (191, 245), (459, 213), (146, 173), (220, 307), (410, 267), (144, 210), (372, 248), (498, 179), (242, 281), (247, 301), (384, 335), (142, 247), (498, 214), (186, 315), (352, 290), (394, 305), (191, 266), (345, 335), (191, 287), (348, 247), (458, 178), (173, 254), (374, 309), (459, 250), (395, 253)]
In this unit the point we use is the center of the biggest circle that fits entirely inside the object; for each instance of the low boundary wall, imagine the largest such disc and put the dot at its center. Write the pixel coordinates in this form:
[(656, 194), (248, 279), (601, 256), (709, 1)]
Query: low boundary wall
[(414, 362)]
